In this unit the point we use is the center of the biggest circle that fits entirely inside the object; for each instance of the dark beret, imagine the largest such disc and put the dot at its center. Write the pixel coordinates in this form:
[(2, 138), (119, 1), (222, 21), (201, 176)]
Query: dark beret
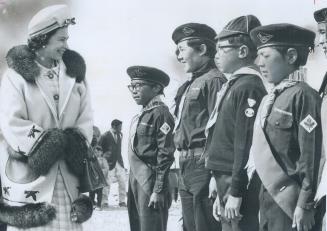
[(282, 35), (193, 31), (320, 15), (148, 74)]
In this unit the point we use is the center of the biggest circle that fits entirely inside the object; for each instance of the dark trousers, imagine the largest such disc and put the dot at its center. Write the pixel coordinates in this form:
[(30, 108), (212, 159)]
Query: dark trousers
[(249, 207), (141, 217), (194, 192), (97, 192)]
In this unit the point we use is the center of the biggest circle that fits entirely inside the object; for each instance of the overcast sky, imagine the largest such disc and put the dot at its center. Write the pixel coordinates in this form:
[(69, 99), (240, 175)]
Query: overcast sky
[(112, 35)]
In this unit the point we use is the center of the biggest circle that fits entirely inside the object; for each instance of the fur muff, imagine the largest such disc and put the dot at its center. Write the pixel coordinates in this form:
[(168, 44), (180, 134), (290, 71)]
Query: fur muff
[(82, 209), (27, 216), (22, 60), (76, 151), (48, 149)]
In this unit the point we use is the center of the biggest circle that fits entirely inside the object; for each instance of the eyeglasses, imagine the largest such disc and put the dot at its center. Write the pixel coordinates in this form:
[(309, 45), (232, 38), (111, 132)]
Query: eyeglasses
[(137, 86)]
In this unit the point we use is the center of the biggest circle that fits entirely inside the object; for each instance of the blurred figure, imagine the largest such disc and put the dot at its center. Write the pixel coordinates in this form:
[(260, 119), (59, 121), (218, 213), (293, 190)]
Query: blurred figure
[(111, 147)]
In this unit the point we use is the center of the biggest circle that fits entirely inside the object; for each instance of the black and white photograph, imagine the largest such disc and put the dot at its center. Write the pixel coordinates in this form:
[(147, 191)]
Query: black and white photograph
[(167, 115)]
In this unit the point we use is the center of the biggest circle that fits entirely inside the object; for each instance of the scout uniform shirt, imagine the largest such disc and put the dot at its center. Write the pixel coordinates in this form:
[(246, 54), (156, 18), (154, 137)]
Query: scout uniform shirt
[(152, 143), (200, 98)]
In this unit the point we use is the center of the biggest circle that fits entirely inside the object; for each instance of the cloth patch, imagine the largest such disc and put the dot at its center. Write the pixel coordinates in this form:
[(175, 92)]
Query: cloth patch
[(251, 102), (249, 112), (165, 128), (308, 123)]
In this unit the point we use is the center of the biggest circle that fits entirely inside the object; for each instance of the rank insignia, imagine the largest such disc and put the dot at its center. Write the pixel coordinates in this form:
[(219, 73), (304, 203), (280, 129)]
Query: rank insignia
[(308, 123), (31, 194), (188, 31), (249, 112), (165, 128), (263, 37), (251, 102)]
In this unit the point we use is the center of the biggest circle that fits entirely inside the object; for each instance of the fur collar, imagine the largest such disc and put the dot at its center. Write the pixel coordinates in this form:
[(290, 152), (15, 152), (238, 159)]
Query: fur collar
[(21, 59)]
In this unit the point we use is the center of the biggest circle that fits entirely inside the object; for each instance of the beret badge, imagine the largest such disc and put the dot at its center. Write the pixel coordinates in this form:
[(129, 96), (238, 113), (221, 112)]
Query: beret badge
[(264, 38), (187, 31)]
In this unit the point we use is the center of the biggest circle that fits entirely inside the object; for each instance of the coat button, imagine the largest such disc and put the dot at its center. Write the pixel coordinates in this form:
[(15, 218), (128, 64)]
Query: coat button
[(50, 75), (56, 97), (277, 123)]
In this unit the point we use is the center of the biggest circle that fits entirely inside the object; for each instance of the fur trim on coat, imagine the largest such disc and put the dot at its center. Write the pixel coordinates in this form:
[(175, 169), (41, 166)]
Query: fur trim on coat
[(21, 59), (82, 209), (27, 216), (76, 151), (48, 149)]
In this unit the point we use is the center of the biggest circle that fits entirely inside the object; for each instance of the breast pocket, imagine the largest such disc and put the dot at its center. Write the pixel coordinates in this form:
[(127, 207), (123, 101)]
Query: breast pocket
[(145, 129), (193, 100), (280, 130)]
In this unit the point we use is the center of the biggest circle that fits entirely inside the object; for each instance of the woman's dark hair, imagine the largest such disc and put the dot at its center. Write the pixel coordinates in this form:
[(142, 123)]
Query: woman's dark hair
[(39, 41), (302, 52)]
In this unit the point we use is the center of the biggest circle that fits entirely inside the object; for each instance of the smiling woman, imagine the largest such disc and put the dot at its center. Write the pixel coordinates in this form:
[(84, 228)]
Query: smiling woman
[(45, 112)]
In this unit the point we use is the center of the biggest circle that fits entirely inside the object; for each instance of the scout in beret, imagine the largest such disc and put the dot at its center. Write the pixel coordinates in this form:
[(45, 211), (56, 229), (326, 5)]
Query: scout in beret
[(321, 18), (45, 125), (195, 100), (286, 146), (231, 132), (151, 151)]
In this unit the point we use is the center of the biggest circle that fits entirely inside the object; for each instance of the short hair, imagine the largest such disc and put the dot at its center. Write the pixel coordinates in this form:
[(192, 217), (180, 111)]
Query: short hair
[(196, 43), (302, 52), (41, 40), (116, 123), (244, 40)]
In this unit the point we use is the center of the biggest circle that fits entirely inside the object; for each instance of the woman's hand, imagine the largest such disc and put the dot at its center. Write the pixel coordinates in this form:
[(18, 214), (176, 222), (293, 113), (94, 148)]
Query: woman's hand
[(303, 220), (156, 200)]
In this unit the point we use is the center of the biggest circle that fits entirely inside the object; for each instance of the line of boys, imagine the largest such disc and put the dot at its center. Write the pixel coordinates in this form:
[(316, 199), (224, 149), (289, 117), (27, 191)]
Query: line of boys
[(263, 150)]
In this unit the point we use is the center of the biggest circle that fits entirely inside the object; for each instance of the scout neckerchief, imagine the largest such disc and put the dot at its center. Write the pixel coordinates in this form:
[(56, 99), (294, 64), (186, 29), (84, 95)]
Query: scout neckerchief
[(265, 112), (181, 93), (223, 91)]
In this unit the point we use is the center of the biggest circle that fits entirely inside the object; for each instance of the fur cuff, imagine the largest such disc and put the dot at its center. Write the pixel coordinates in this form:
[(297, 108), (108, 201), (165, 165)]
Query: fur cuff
[(76, 151), (47, 150), (82, 209), (27, 216)]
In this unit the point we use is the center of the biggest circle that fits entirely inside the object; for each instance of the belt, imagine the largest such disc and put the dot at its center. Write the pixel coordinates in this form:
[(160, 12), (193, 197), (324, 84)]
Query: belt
[(193, 152)]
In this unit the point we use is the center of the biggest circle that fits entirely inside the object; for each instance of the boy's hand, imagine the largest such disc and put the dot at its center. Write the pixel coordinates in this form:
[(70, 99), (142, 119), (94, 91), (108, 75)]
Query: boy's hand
[(232, 208)]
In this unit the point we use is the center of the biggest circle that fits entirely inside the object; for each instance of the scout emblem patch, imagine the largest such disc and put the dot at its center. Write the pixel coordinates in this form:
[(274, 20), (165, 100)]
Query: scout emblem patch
[(308, 123), (249, 112), (165, 128), (263, 37), (188, 31), (251, 102)]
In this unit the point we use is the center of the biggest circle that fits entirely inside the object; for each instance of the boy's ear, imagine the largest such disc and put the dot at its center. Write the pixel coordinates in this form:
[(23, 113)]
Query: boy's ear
[(291, 55), (203, 49), (243, 52)]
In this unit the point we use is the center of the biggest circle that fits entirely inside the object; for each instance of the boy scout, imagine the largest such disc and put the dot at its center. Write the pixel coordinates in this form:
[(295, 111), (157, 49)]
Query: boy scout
[(195, 101), (321, 18), (231, 123), (151, 151), (286, 145)]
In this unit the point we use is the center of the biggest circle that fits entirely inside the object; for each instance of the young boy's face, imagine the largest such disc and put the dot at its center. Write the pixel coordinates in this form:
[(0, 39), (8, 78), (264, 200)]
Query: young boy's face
[(322, 29), (142, 91), (226, 56), (189, 57), (272, 64)]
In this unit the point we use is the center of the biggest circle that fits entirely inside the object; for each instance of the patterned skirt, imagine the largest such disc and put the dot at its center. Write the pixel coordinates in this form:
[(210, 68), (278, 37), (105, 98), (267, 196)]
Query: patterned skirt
[(62, 203)]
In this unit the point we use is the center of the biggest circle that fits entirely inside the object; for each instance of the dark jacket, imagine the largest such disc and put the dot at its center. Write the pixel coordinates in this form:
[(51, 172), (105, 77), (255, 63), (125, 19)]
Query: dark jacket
[(111, 149), (199, 102), (231, 137)]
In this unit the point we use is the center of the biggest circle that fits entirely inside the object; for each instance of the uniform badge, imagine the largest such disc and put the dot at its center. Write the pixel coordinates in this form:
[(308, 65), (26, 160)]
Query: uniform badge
[(249, 112), (251, 102), (263, 37), (308, 123), (139, 73), (188, 31), (165, 128)]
